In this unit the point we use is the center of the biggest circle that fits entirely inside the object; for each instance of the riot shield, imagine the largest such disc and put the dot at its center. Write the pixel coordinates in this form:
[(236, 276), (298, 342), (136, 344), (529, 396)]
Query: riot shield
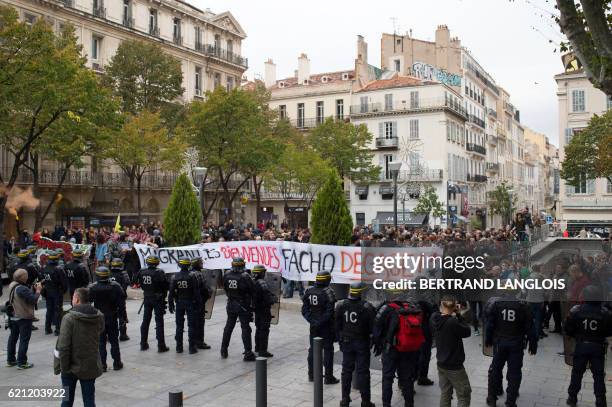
[(486, 350), (569, 343), (274, 282), (213, 279), (488, 299)]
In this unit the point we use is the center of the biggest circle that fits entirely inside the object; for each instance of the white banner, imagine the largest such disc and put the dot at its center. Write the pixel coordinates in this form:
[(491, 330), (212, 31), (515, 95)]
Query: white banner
[(295, 261), (45, 244)]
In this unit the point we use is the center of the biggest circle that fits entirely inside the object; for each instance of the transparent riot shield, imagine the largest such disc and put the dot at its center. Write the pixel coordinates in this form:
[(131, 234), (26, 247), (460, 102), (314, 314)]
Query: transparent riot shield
[(213, 279), (274, 283), (569, 343), (488, 299), (486, 350)]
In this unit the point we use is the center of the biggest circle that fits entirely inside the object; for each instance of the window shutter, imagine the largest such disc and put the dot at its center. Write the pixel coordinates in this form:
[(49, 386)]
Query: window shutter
[(394, 129), (381, 130)]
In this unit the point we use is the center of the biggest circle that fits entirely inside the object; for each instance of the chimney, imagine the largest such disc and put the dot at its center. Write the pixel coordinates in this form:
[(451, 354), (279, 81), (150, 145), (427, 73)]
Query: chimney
[(270, 73), (442, 36), (303, 69), (362, 49)]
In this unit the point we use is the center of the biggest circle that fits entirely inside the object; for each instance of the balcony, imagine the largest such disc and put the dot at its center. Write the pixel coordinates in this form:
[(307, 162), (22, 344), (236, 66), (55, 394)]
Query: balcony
[(492, 112), (225, 55), (476, 148), (509, 107), (492, 167), (68, 3), (501, 132), (391, 142), (366, 108), (423, 105), (177, 39), (154, 31), (477, 121), (492, 139), (308, 123), (417, 175), (128, 22), (476, 178)]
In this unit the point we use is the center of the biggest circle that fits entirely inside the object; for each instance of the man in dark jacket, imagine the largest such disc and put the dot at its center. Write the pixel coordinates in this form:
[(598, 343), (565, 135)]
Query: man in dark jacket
[(77, 356), (449, 329)]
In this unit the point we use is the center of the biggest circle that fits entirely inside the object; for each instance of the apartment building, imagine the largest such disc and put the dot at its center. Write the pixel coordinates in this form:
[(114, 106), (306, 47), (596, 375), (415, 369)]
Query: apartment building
[(209, 48)]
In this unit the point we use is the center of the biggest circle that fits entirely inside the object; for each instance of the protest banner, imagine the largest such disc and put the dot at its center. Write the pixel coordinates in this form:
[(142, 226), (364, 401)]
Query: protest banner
[(45, 244)]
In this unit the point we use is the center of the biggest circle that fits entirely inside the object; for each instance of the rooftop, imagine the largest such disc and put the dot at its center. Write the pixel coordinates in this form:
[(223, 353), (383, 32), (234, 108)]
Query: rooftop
[(316, 79), (395, 82)]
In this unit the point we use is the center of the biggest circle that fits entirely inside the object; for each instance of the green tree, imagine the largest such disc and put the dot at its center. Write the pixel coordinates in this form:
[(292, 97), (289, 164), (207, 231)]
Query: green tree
[(501, 202), (182, 217), (346, 147), (429, 204), (588, 155), (142, 146), (331, 219), (144, 76)]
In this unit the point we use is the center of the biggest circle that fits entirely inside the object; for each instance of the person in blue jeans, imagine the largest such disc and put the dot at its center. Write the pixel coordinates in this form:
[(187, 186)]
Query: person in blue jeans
[(77, 357), (23, 301), (290, 288)]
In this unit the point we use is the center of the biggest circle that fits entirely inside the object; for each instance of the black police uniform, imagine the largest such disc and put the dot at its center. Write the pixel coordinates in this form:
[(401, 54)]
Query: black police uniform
[(425, 352), (354, 324), (318, 305), (54, 286), (263, 299), (200, 316), (508, 323), (154, 285), (77, 275), (405, 364), (109, 298), (121, 278), (239, 289), (185, 291), (26, 264), (589, 324)]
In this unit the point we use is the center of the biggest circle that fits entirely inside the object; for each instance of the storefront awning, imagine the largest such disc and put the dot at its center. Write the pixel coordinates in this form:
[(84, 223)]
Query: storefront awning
[(407, 218)]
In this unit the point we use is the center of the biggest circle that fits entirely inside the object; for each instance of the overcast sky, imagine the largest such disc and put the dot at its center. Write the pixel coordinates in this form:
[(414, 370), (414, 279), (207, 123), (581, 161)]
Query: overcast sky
[(509, 39)]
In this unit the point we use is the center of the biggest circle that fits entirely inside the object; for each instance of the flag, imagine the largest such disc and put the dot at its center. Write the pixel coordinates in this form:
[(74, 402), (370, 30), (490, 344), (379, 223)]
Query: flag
[(117, 228)]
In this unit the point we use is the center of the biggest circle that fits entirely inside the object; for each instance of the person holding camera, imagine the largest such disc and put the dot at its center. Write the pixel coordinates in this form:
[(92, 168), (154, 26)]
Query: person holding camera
[(20, 310), (449, 329)]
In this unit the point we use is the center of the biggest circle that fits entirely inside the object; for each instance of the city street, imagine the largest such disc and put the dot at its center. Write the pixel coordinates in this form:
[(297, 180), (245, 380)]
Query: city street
[(207, 380)]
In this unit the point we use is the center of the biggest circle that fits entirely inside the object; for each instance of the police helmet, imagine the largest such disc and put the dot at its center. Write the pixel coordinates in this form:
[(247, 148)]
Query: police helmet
[(259, 271), (197, 263), (77, 254), (184, 262), (60, 252), (591, 293), (102, 272), (32, 249), (23, 254), (152, 260), (356, 289), (238, 264), (116, 264), (323, 278), (53, 256)]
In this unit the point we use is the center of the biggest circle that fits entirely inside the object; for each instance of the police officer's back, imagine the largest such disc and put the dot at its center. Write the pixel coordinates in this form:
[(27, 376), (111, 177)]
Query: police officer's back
[(205, 294), (354, 319), (54, 285), (185, 292), (589, 324), (152, 280), (76, 272), (119, 276), (263, 299)]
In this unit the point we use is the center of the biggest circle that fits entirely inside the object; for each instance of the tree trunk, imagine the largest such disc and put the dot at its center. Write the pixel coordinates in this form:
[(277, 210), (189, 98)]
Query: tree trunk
[(257, 187), (40, 216), (138, 191), (36, 191)]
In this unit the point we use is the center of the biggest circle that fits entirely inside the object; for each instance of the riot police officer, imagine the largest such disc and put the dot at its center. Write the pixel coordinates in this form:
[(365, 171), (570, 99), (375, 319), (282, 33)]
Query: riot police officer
[(318, 305), (239, 289), (109, 298), (119, 275), (185, 290), (508, 323), (589, 324), (154, 285), (54, 286), (263, 299), (354, 319), (205, 294), (23, 261), (76, 272)]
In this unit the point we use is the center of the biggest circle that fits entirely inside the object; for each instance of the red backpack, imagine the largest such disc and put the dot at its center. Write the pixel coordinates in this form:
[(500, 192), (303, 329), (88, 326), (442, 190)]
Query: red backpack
[(409, 336)]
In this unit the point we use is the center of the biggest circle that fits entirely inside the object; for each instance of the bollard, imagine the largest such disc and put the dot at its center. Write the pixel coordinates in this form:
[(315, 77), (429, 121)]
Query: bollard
[(261, 382), (317, 366), (175, 399)]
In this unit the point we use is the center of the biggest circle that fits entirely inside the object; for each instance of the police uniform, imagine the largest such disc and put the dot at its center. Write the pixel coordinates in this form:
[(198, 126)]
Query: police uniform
[(120, 276), (23, 261), (154, 286), (54, 286), (205, 293), (185, 291), (354, 320), (76, 273), (589, 324), (508, 323), (318, 305), (263, 299), (239, 289), (404, 363), (109, 298)]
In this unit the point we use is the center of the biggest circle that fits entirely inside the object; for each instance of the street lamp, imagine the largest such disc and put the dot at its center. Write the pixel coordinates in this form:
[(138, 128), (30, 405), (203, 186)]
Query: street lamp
[(510, 192), (394, 168)]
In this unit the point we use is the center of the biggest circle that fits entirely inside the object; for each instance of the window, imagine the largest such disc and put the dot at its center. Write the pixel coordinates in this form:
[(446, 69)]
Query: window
[(230, 47), (448, 131), (300, 115), (585, 186), (578, 104), (609, 188), (389, 101), (282, 111), (387, 159), (230, 83), (414, 162), (414, 100), (29, 19), (217, 80), (397, 65), (360, 218), (339, 109), (198, 81), (176, 31), (609, 103), (320, 112), (95, 47), (217, 43), (388, 130), (414, 128), (198, 37), (153, 22), (127, 13), (363, 104)]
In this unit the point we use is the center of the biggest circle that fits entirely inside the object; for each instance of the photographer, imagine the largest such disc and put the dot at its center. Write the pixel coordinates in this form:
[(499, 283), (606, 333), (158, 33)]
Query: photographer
[(22, 301), (449, 329)]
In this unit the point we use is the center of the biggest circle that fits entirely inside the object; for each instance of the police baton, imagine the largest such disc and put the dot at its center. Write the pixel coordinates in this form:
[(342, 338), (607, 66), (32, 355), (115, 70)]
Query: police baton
[(140, 309)]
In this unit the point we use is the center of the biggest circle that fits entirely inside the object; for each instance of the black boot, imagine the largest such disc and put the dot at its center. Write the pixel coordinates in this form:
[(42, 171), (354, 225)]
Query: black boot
[(367, 403), (192, 350), (117, 365), (124, 337), (330, 379), (223, 353), (424, 381), (144, 346), (179, 348), (249, 356), (345, 402), (571, 401), (161, 347), (265, 354), (310, 377), (203, 345)]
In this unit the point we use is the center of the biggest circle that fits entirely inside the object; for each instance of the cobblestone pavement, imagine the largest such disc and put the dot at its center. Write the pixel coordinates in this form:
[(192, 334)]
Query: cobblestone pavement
[(207, 380)]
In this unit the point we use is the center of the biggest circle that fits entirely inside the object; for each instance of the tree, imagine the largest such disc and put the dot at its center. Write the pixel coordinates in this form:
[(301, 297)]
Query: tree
[(141, 146), (588, 27), (144, 76), (331, 219), (588, 155), (182, 217), (429, 204), (502, 201), (346, 147)]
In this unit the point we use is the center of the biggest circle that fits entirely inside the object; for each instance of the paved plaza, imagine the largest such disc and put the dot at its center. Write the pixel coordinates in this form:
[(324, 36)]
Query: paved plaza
[(207, 380)]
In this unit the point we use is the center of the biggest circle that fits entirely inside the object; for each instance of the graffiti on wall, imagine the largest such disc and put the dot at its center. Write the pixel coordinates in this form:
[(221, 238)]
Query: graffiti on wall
[(430, 73)]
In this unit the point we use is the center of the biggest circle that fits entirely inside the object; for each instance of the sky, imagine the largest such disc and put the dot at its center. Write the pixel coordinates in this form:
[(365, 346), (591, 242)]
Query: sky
[(510, 39)]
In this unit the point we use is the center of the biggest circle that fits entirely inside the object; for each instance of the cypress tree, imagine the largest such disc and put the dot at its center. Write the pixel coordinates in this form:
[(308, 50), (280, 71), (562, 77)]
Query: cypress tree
[(331, 219), (182, 217)]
